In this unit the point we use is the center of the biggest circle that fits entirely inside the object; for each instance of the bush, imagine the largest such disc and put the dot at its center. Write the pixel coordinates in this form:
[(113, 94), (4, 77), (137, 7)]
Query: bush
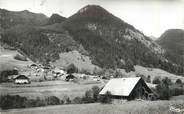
[(148, 79), (106, 99), (95, 90), (178, 81), (177, 91), (66, 100), (8, 102), (156, 80), (163, 92), (16, 101), (166, 81), (88, 98), (20, 57), (71, 69), (4, 74), (77, 100), (52, 100)]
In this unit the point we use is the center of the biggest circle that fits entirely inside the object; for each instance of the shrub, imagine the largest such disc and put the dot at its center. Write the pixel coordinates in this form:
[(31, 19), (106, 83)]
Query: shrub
[(177, 91), (148, 79), (95, 90), (106, 99), (20, 57), (156, 80), (4, 74), (67, 100), (77, 100), (166, 81), (71, 69), (163, 92), (52, 100), (178, 81), (15, 101), (88, 98)]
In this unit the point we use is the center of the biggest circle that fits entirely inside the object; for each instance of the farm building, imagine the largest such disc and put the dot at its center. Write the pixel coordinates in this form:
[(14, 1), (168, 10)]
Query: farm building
[(70, 77), (128, 88), (21, 79)]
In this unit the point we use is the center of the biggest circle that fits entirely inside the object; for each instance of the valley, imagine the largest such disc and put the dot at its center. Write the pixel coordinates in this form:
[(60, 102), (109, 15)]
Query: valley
[(67, 62)]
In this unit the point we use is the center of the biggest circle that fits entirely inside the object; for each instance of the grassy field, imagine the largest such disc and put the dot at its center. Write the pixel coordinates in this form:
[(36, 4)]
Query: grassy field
[(47, 88), (130, 107), (7, 61)]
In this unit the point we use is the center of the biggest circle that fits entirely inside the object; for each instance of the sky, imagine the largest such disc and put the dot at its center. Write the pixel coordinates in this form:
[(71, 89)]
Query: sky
[(152, 17)]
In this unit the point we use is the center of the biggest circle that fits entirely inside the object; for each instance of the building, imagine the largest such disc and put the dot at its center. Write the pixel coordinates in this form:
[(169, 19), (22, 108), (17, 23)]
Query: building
[(70, 77), (21, 79), (128, 88)]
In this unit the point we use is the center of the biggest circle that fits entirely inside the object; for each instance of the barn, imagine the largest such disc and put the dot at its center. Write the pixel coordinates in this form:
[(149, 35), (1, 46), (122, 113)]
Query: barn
[(21, 79), (128, 88)]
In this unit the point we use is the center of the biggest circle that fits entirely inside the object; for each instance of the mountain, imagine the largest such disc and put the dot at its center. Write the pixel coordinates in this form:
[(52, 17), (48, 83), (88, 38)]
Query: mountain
[(9, 19), (108, 41), (55, 18), (172, 41)]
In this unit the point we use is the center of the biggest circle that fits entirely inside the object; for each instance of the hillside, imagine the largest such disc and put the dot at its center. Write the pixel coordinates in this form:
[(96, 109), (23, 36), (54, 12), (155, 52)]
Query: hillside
[(106, 40), (101, 34), (173, 42), (9, 19), (55, 18), (8, 61)]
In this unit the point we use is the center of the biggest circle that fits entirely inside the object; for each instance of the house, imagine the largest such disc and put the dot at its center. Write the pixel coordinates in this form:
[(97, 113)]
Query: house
[(70, 77), (21, 79), (58, 72), (128, 88)]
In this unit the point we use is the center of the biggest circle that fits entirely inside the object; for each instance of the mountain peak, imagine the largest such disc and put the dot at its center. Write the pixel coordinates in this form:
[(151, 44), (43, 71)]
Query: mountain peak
[(93, 10), (55, 18)]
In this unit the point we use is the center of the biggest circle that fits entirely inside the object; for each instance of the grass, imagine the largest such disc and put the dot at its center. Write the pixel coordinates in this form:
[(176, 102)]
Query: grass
[(130, 107), (48, 88), (7, 61)]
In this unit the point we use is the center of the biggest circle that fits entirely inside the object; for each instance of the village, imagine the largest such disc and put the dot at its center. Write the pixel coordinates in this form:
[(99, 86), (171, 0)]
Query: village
[(66, 86), (121, 87)]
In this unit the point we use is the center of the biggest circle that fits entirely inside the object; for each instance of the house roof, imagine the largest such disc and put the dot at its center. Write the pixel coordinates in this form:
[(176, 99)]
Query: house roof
[(21, 77), (120, 86)]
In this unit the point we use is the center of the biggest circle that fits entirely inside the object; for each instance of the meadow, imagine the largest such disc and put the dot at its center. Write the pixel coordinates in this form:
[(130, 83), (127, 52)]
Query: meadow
[(129, 107), (57, 88)]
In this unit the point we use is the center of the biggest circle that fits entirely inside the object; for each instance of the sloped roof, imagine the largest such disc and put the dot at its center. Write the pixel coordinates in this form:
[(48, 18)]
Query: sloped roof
[(21, 77), (120, 86)]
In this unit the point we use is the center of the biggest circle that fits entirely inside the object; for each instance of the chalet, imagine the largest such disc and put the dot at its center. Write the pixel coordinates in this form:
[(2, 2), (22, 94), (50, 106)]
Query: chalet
[(21, 79), (70, 77), (128, 88)]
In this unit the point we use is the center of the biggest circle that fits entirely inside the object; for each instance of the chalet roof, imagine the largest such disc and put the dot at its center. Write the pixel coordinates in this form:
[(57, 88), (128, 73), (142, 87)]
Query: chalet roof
[(21, 77), (70, 76), (120, 86)]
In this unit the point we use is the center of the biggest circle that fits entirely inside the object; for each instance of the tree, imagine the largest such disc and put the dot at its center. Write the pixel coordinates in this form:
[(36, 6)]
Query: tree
[(148, 79), (156, 80), (66, 100), (88, 98), (166, 81), (95, 90), (178, 81), (52, 100), (72, 69), (106, 99), (163, 89)]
